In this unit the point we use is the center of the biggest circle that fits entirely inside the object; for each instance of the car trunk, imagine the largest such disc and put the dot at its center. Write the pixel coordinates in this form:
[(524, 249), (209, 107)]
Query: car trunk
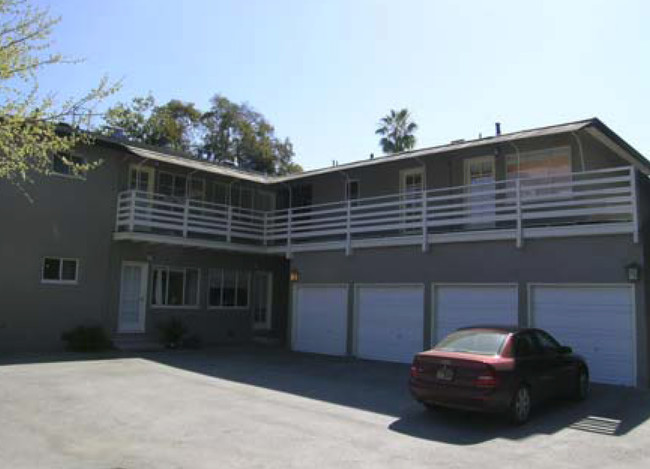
[(451, 369)]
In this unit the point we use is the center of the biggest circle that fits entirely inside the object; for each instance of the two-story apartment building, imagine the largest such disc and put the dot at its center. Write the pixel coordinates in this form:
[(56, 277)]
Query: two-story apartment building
[(376, 259)]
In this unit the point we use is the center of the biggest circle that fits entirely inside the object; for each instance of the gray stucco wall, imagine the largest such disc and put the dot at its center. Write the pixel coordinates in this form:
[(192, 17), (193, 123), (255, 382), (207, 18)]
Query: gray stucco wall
[(599, 259), (67, 218)]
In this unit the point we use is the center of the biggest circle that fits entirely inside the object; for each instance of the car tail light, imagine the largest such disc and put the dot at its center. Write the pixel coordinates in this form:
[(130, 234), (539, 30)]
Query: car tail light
[(415, 370), (487, 379)]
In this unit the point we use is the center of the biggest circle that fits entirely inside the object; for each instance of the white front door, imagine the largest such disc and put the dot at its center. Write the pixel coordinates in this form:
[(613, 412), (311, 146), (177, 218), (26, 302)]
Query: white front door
[(597, 321), (320, 318), (479, 179), (390, 321), (465, 305), (262, 300), (411, 187), (133, 294)]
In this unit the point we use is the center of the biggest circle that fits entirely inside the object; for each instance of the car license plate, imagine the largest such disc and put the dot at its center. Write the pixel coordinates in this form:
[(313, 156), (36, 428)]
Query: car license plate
[(445, 373)]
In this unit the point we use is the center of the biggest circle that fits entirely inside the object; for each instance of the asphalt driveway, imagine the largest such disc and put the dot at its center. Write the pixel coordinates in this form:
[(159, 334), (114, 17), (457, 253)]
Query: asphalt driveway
[(249, 408)]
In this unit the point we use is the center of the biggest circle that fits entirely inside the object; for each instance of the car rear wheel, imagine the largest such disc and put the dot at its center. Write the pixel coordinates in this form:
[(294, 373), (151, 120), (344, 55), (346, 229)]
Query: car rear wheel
[(581, 390), (521, 405)]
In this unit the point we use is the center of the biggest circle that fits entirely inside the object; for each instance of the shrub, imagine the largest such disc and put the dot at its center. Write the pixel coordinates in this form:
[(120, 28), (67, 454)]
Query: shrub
[(173, 332), (86, 339)]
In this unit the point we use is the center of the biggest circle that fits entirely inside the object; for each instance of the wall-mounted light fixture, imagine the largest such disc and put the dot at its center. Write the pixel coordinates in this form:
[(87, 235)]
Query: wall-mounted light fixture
[(633, 272), (294, 276)]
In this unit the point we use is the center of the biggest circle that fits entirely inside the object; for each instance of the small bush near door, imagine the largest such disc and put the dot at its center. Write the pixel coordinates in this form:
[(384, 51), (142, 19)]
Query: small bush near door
[(86, 339)]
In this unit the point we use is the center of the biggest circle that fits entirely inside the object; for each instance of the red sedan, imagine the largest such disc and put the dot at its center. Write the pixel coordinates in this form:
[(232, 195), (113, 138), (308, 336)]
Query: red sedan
[(497, 369)]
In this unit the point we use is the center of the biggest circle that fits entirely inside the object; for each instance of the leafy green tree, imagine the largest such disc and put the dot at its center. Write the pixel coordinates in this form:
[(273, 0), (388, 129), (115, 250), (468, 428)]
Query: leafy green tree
[(238, 134), (397, 129), (30, 123), (172, 125)]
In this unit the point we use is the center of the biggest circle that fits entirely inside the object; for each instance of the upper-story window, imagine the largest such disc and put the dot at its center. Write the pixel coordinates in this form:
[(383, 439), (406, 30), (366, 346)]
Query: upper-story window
[(352, 189), (63, 165), (233, 194), (177, 185), (172, 184), (552, 165), (141, 178)]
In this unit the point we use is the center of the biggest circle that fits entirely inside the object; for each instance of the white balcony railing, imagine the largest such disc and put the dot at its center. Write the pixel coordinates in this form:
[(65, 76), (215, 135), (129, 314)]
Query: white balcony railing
[(592, 202)]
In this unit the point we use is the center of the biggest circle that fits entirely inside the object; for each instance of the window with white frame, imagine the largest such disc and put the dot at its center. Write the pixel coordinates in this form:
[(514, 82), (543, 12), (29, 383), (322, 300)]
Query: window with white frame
[(548, 166), (173, 185), (60, 270), (67, 165), (175, 286), (352, 189), (228, 288)]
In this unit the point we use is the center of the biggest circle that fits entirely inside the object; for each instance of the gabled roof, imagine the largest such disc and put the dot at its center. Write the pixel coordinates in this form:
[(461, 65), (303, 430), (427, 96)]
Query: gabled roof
[(594, 126)]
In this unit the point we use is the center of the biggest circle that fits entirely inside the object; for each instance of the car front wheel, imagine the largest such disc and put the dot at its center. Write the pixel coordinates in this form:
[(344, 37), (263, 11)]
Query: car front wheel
[(521, 405)]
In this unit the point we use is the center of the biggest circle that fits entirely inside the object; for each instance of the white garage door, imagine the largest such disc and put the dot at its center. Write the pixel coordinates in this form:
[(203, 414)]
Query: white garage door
[(596, 321), (390, 321), (457, 306), (320, 315)]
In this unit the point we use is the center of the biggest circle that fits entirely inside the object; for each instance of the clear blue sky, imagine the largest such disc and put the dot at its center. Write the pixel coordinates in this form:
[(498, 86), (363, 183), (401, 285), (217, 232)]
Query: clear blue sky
[(324, 72)]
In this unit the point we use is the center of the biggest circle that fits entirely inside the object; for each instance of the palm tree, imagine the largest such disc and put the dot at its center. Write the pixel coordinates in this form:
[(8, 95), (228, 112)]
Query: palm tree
[(397, 130)]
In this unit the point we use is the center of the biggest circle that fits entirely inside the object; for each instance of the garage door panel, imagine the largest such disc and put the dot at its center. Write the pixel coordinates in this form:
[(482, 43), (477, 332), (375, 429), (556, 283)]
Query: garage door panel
[(596, 321), (390, 322), (320, 319), (459, 306)]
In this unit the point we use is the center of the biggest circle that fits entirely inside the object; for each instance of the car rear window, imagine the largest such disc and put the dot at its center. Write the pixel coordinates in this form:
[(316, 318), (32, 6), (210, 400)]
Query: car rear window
[(478, 342)]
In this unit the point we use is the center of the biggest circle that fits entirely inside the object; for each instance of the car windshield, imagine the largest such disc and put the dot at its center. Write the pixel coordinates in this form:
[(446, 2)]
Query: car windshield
[(473, 341)]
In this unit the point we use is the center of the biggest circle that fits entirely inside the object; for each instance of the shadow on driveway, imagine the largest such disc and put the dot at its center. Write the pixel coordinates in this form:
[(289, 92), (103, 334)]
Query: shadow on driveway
[(382, 388)]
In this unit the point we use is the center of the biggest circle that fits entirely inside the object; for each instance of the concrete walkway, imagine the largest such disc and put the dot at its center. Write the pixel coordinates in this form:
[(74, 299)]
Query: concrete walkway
[(250, 408)]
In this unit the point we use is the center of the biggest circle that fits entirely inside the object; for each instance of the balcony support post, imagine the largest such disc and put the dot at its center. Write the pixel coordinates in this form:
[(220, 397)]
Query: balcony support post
[(520, 231)]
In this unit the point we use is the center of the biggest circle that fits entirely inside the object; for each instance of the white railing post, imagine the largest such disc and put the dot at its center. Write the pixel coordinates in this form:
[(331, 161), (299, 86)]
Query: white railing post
[(520, 231), (186, 212), (348, 226), (133, 196), (289, 221), (425, 235), (635, 205), (229, 224)]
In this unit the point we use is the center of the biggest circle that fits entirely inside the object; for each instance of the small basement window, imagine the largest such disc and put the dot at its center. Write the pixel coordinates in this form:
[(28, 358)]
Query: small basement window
[(60, 270)]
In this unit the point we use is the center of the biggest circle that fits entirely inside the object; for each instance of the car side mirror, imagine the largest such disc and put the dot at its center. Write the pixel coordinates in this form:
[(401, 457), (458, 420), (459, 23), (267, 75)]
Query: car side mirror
[(564, 350)]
